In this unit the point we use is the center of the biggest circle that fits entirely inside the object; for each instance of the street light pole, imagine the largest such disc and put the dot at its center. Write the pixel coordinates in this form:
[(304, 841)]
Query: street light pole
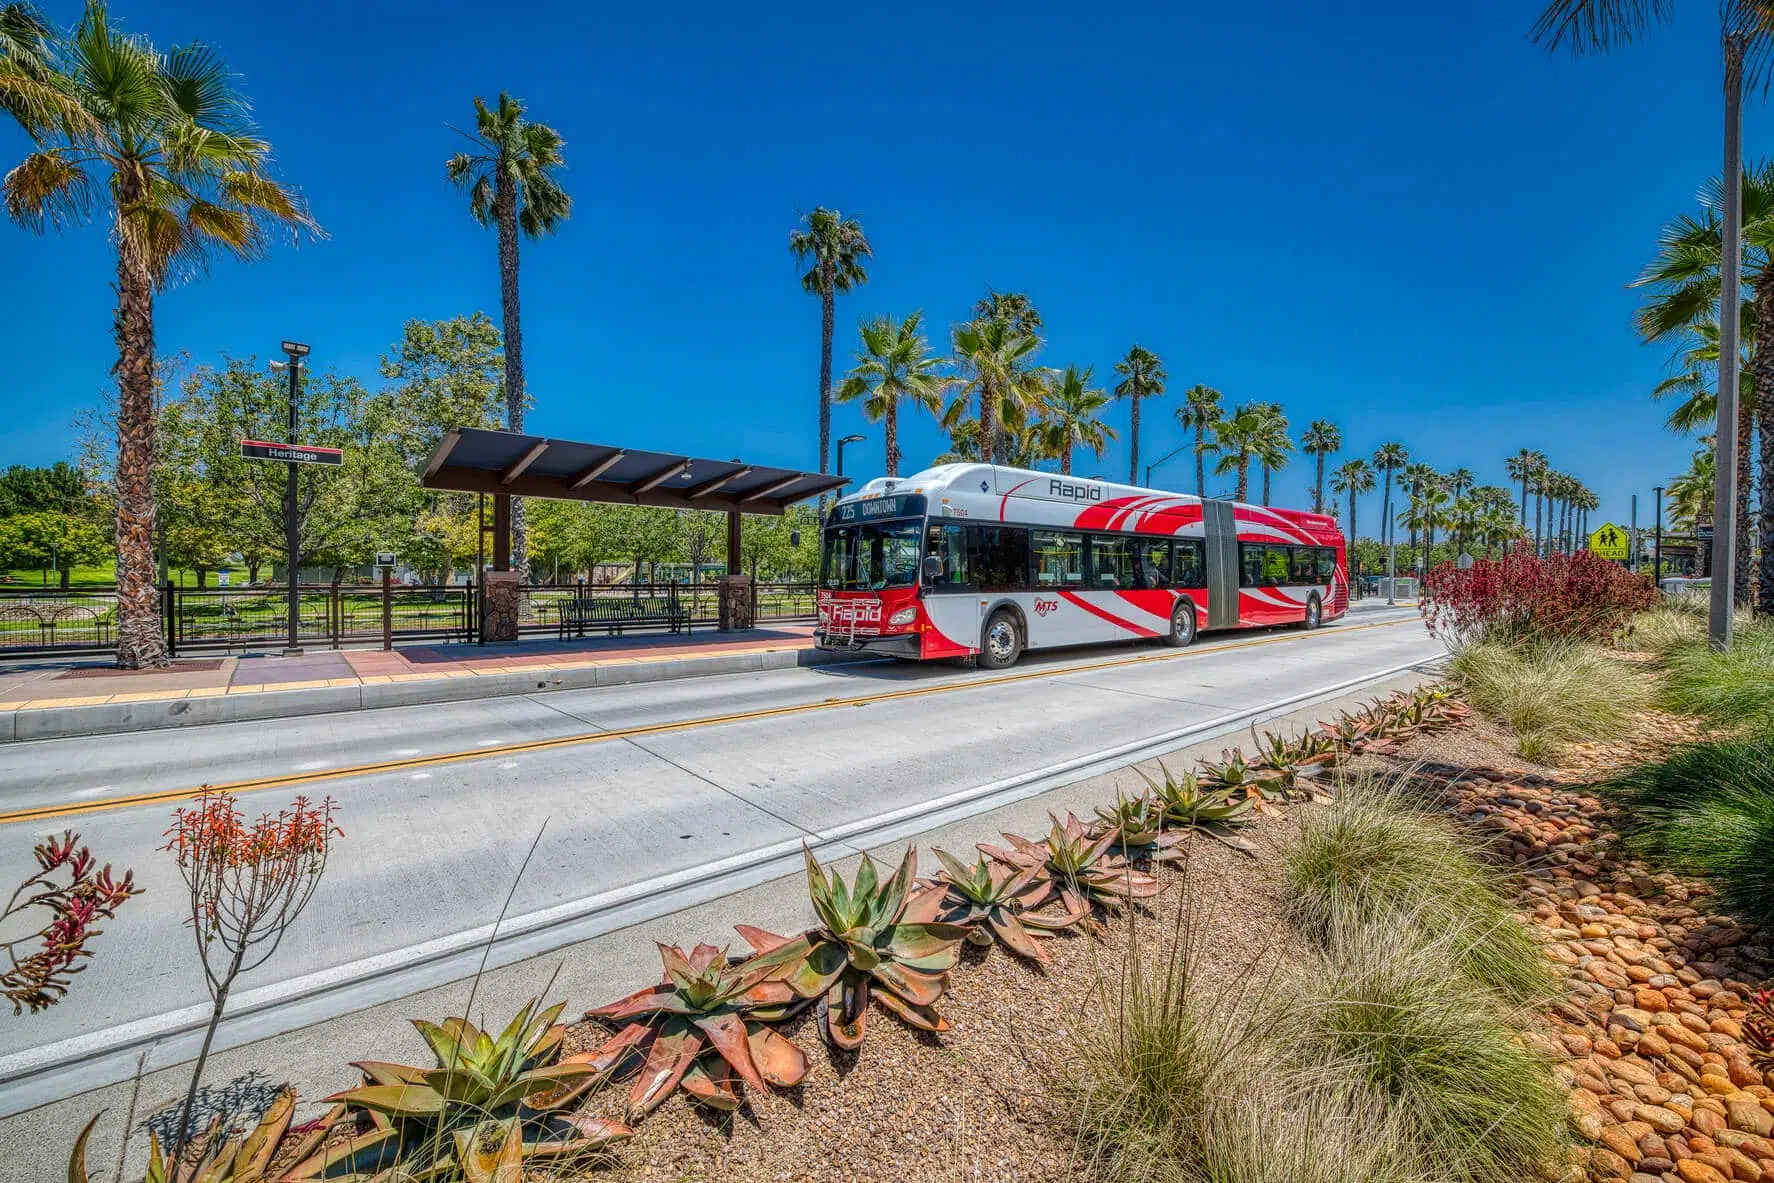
[(1161, 460), (849, 439), (1657, 540), (1724, 500), (292, 540)]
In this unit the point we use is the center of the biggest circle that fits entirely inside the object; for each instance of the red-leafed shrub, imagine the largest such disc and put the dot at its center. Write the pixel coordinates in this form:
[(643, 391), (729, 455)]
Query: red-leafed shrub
[(1522, 597)]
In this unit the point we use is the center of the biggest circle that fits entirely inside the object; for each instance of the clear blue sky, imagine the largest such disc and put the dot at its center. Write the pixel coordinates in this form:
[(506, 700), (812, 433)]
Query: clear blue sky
[(1402, 217)]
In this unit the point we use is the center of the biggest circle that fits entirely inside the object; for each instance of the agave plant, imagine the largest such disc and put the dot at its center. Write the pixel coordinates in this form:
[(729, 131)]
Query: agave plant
[(877, 939), (1141, 829), (693, 1030), (1084, 872), (1233, 773), (990, 900), (1188, 807), (234, 1158), (460, 1119), (1350, 733), (1282, 769)]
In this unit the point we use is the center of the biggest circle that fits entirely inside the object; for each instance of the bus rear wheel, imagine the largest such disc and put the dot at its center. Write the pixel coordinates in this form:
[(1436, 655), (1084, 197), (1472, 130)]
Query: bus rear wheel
[(1002, 642), (1314, 614), (1182, 624)]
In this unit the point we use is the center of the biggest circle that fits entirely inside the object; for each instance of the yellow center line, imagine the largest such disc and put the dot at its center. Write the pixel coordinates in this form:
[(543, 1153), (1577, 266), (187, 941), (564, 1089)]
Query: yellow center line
[(256, 784)]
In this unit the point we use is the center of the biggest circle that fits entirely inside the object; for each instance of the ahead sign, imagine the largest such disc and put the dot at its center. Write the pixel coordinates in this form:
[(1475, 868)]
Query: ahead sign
[(295, 453), (1610, 542)]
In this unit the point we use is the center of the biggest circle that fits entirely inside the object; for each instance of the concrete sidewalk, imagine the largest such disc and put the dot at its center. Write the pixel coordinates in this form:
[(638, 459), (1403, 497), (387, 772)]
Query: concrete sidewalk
[(52, 700)]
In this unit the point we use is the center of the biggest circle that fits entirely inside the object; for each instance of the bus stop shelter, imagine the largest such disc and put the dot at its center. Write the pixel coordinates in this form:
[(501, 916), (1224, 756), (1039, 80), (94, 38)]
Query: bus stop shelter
[(508, 464)]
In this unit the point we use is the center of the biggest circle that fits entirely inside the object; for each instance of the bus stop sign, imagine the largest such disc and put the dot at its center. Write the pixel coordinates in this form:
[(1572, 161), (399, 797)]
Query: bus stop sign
[(1609, 542)]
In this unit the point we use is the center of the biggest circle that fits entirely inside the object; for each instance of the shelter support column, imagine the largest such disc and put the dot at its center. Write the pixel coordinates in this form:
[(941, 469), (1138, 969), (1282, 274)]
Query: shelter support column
[(501, 606), (736, 591), (501, 532)]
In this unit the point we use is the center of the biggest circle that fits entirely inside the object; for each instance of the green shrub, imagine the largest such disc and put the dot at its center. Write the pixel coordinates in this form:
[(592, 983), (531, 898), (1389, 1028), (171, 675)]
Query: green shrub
[(1379, 852), (1396, 1013), (1663, 629), (1707, 810), (1547, 695), (1732, 689)]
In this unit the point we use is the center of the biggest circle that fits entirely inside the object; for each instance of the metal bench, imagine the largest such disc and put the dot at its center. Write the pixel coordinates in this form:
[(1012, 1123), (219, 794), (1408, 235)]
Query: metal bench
[(612, 614)]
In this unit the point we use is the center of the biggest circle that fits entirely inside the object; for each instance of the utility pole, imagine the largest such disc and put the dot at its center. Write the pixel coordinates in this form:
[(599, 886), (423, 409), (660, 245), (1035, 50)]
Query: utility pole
[(1724, 500), (1632, 564), (1657, 542), (292, 533)]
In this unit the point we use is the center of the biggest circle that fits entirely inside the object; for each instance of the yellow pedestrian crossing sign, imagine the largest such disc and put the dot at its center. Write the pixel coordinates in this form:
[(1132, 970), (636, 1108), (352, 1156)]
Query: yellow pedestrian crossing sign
[(1609, 542)]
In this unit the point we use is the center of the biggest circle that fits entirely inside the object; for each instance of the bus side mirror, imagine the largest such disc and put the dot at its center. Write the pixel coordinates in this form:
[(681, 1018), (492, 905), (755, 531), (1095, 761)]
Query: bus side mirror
[(932, 568)]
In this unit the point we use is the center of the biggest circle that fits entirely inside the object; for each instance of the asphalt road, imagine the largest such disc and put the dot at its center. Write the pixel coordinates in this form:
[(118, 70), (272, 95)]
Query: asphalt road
[(655, 796)]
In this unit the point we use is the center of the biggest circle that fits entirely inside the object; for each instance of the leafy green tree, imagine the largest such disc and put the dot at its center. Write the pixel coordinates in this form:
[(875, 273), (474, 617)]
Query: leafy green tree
[(57, 488), (445, 374), (1074, 409), (1320, 440), (47, 540), (161, 145), (1352, 477), (833, 247), (1201, 414), (511, 177), (894, 365), (1142, 377), (785, 547)]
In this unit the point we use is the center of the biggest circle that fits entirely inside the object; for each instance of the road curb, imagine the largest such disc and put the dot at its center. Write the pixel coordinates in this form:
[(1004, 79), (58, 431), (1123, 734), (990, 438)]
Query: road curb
[(34, 723)]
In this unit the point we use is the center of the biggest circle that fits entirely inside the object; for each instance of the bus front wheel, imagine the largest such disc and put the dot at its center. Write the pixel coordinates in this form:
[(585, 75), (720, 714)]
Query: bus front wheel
[(1002, 642), (1182, 624)]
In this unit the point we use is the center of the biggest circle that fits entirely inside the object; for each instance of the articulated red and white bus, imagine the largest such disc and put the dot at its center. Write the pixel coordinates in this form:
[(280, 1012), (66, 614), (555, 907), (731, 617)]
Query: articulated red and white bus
[(977, 559)]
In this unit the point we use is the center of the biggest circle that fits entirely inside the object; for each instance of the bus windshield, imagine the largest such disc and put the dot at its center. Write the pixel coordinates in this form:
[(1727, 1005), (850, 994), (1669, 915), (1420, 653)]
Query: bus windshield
[(871, 556)]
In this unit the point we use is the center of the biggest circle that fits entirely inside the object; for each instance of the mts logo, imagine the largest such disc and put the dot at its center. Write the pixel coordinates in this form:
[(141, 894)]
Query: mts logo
[(1071, 492), (1044, 606)]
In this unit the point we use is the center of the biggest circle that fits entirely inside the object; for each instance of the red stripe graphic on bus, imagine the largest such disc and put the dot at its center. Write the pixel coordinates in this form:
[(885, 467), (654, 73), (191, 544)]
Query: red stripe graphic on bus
[(1136, 629)]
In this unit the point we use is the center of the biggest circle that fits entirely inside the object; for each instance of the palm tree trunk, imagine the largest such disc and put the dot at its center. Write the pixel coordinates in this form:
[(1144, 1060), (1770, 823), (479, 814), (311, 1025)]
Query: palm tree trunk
[(1065, 461), (1243, 479), (1524, 501), (1318, 489), (826, 313), (1133, 442), (1265, 484), (1352, 534), (1386, 515), (1539, 501), (1200, 462), (1762, 372), (988, 424), (890, 435), (505, 199), (139, 640)]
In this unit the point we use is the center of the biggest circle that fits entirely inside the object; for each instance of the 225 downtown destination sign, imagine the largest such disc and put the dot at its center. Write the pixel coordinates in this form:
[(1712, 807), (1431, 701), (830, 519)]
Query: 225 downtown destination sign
[(296, 453)]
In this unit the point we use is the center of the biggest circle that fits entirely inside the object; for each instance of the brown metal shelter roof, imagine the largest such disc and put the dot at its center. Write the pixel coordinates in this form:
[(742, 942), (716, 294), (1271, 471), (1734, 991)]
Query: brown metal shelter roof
[(474, 460)]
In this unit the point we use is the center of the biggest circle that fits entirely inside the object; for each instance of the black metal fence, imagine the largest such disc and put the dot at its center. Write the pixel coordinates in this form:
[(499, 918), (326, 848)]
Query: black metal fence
[(56, 622)]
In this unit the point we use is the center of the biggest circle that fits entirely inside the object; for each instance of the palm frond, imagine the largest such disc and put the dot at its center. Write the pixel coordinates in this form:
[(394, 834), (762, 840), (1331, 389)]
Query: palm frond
[(199, 87), (48, 189), (1594, 26)]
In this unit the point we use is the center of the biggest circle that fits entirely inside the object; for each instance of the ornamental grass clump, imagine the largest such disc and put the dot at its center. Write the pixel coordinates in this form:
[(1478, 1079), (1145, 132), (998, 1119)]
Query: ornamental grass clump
[(1381, 853), (1707, 810), (1392, 1014), (1730, 689), (1174, 1081), (1548, 695)]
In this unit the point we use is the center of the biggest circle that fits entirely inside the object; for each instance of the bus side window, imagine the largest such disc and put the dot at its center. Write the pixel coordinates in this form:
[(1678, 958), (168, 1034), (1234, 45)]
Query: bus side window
[(1275, 566), (1327, 564), (948, 543), (1250, 564), (1155, 565), (1305, 565), (1189, 563), (999, 557)]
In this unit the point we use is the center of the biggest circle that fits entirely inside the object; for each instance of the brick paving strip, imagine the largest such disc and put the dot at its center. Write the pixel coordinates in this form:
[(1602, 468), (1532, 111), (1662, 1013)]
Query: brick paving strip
[(89, 684)]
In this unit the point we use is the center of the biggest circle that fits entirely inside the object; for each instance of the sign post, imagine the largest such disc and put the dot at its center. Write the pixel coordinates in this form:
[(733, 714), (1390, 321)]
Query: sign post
[(291, 454), (385, 560)]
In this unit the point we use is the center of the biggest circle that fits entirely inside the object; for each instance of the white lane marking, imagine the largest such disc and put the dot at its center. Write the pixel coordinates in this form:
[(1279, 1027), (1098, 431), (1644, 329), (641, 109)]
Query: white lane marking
[(406, 751), (95, 791), (421, 776), (311, 765), (490, 743)]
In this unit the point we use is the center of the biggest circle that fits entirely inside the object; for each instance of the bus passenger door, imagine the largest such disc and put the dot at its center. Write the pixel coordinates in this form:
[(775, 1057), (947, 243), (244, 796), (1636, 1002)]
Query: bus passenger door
[(1220, 527), (951, 599)]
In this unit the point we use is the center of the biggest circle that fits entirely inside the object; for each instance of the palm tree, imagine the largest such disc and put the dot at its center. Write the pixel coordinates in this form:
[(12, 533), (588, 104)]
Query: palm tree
[(1695, 374), (833, 247), (1389, 458), (1073, 419), (894, 365), (992, 358), (1200, 413), (1691, 493), (1521, 468), (1238, 439), (1459, 480), (1013, 308), (1415, 477), (1320, 440), (30, 89), (1353, 477), (1142, 377), (165, 150), (1685, 284), (1746, 35), (1273, 444), (510, 176)]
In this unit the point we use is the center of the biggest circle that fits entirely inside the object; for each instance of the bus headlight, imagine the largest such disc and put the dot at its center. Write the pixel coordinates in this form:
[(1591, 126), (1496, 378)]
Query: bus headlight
[(903, 617)]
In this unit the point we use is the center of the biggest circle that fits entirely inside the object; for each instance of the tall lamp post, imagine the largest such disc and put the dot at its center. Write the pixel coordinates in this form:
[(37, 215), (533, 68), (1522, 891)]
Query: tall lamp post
[(292, 541), (849, 439), (1657, 536)]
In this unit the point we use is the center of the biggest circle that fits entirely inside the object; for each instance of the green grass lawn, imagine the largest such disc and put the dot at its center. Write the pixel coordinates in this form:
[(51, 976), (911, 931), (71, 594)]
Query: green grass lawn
[(101, 575)]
